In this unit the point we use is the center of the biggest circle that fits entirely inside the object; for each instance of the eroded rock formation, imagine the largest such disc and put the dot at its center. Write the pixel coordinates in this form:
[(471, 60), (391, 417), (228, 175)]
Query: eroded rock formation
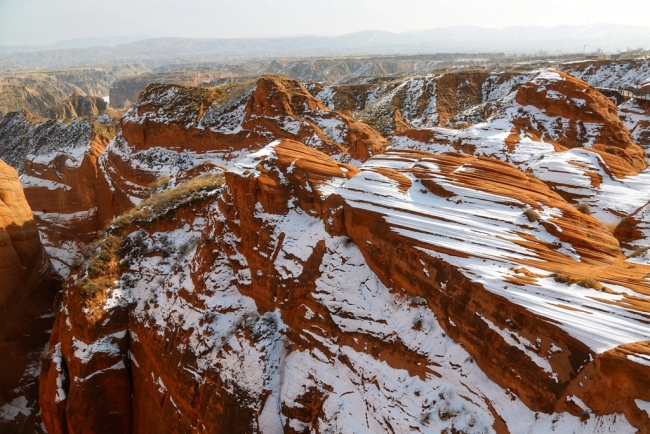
[(58, 166), (28, 284), (490, 278), (304, 294)]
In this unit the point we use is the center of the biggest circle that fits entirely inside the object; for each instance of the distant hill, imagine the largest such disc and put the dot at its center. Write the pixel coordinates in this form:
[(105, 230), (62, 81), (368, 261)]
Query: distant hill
[(108, 41), (521, 39)]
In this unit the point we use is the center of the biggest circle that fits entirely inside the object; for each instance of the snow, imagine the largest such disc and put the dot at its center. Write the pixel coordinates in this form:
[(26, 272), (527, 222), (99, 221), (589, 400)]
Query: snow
[(57, 358), (43, 143), (517, 341), (12, 409), (270, 420), (641, 359), (118, 366), (483, 230), (643, 405), (105, 345), (567, 171), (28, 181), (360, 392), (481, 236), (624, 73)]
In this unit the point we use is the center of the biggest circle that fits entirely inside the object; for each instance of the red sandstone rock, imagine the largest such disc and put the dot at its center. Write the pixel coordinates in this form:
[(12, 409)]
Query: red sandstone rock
[(237, 311), (27, 288)]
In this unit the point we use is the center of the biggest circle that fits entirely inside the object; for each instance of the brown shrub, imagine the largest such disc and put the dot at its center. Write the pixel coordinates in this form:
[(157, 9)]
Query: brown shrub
[(584, 208), (159, 185), (99, 271), (588, 282), (531, 215), (164, 201), (102, 257), (638, 251), (562, 278)]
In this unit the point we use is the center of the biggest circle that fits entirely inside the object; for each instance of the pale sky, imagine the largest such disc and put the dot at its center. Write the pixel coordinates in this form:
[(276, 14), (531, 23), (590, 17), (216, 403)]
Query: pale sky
[(48, 21)]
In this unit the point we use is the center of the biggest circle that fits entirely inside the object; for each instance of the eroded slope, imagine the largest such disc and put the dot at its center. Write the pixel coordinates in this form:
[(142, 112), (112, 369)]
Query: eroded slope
[(306, 295)]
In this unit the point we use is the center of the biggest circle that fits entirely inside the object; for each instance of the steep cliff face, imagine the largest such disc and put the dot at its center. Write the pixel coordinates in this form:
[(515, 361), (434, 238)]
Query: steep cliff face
[(79, 106), (41, 90), (57, 162), (175, 131), (460, 281), (421, 291), (635, 114), (561, 131), (27, 287)]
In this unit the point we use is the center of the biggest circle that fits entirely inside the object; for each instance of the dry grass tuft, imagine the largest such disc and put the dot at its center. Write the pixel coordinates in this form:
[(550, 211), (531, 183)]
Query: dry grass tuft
[(585, 282), (612, 226), (103, 256), (584, 208), (160, 203), (638, 251), (588, 282), (531, 215), (159, 185), (101, 265), (562, 278)]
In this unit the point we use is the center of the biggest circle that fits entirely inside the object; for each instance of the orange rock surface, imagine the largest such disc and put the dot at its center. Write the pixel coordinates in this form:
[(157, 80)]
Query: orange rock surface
[(306, 294), (28, 284)]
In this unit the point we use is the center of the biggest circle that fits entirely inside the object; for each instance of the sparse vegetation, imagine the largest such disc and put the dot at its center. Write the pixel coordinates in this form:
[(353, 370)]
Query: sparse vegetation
[(588, 282), (584, 208), (160, 203), (561, 278), (102, 258), (159, 185), (638, 251), (585, 282), (531, 215), (101, 267), (612, 150)]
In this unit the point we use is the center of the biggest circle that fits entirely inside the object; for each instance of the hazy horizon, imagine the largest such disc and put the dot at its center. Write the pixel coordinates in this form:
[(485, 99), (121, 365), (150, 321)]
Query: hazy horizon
[(44, 22)]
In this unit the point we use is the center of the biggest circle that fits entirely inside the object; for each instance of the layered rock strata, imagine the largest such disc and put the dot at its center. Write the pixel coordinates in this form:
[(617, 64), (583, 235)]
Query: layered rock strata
[(437, 292), (28, 284)]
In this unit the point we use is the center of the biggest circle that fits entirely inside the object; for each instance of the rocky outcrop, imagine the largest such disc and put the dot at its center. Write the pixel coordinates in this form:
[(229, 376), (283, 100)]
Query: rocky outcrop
[(446, 99), (421, 291), (562, 131), (173, 133), (610, 73), (128, 89), (88, 107), (175, 129), (58, 163), (635, 114), (460, 281), (39, 91), (633, 231), (591, 119), (27, 288)]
